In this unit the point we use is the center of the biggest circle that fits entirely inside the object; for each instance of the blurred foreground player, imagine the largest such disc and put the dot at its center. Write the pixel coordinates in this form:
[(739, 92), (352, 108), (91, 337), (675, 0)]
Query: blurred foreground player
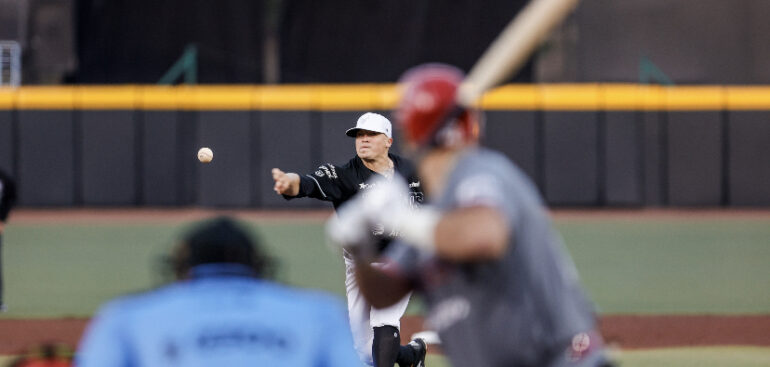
[(219, 313), (376, 332), (500, 288), (7, 201)]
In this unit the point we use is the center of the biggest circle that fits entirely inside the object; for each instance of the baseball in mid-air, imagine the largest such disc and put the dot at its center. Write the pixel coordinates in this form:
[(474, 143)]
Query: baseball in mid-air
[(205, 155)]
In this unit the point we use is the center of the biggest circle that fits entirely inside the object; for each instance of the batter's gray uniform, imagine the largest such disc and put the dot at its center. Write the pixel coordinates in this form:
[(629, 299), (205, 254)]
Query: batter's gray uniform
[(524, 309)]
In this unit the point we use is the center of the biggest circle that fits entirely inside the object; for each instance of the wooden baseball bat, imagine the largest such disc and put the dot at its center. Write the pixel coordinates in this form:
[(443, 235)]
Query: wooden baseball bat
[(513, 46)]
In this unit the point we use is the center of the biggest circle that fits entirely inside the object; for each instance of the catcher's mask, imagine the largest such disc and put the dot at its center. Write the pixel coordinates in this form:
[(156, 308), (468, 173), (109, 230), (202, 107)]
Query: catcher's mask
[(219, 240), (428, 114)]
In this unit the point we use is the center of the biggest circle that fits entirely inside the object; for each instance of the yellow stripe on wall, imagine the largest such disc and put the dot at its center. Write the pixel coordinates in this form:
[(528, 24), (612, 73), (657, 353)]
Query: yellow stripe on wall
[(289, 97), (7, 98), (217, 97), (357, 97), (695, 98), (630, 97), (507, 97), (748, 98), (107, 97), (568, 97), (45, 98), (157, 98)]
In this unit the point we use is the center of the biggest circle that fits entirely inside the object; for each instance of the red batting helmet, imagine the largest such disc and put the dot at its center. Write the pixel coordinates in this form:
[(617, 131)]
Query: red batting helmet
[(427, 113)]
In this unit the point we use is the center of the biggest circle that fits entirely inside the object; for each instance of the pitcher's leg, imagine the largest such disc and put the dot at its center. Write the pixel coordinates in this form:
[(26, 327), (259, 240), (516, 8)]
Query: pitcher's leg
[(358, 313), (386, 323)]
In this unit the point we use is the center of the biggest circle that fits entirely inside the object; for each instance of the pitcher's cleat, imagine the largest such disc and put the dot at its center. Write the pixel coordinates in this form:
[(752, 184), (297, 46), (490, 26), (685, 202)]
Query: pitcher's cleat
[(428, 336), (420, 349)]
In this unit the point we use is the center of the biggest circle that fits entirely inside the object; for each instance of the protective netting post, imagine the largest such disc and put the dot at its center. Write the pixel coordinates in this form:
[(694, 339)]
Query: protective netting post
[(10, 64)]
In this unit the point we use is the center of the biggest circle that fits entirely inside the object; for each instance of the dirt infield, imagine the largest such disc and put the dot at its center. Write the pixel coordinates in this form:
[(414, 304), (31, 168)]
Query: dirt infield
[(624, 331), (636, 332)]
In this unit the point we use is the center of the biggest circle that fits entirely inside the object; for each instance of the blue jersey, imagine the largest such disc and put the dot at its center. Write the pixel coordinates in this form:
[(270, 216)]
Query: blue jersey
[(221, 317)]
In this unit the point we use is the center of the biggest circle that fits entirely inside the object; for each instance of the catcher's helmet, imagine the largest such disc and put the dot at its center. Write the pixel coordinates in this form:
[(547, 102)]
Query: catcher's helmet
[(428, 114)]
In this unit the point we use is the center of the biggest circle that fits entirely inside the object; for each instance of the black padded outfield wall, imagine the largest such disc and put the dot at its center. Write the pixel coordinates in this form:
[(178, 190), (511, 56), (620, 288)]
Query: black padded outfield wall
[(571, 158), (515, 133), (748, 139), (288, 139), (227, 183), (108, 156), (161, 162), (694, 149), (621, 180), (7, 147), (583, 145), (47, 167), (653, 157)]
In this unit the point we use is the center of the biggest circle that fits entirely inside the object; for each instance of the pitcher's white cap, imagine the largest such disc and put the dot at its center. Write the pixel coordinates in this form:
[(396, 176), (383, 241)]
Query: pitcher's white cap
[(373, 122)]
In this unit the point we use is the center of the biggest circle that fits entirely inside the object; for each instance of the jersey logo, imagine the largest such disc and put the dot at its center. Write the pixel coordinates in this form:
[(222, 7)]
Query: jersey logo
[(378, 229), (328, 170), (243, 337), (415, 199), (581, 346)]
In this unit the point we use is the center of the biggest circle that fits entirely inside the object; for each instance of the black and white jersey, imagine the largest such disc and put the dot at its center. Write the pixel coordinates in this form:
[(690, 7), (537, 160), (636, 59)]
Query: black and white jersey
[(7, 195), (339, 184)]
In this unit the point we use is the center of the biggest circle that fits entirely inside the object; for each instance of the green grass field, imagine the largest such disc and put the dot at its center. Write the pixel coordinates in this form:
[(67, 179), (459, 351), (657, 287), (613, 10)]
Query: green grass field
[(646, 266), (662, 266), (654, 266), (69, 270)]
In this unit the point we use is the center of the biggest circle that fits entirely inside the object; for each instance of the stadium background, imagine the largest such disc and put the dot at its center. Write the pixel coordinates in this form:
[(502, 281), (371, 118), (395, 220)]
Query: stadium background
[(651, 107)]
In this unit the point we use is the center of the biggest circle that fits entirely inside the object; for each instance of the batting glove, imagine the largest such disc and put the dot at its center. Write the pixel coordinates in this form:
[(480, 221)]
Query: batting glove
[(388, 203), (368, 214), (384, 208), (349, 227)]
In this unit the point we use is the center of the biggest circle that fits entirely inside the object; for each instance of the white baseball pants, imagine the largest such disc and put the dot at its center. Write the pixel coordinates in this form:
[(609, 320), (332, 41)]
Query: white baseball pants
[(364, 317)]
